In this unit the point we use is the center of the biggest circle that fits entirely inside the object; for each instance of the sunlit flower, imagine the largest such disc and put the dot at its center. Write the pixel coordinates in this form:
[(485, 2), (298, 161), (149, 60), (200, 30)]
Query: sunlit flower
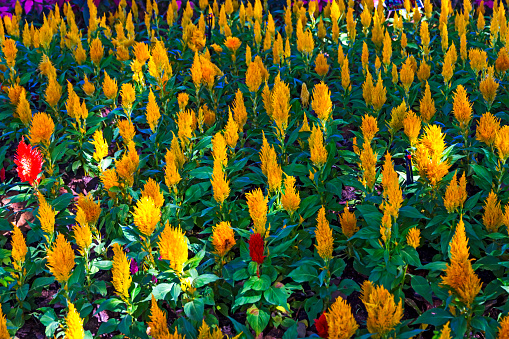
[(239, 110), (88, 87), (383, 312), (121, 272), (231, 131), (220, 185), (503, 330), (478, 59), (173, 247), (53, 92), (82, 232), (348, 222), (501, 143), (29, 162), (223, 238), (412, 127), (455, 194), (406, 75), (317, 148), (158, 324), (493, 215), (110, 87), (369, 127), (74, 324), (488, 88), (290, 198), (424, 71), (4, 334), (152, 190), (19, 248), (459, 274), (324, 240), (128, 95), (340, 320), (321, 66), (96, 51), (429, 154), (322, 328), (100, 146), (127, 166), (487, 128), (91, 208), (322, 103), (257, 205), (445, 333), (183, 99), (171, 174), (427, 105), (368, 166), (146, 216), (109, 179), (502, 62), (379, 94), (462, 108), (126, 130), (153, 115), (413, 237), (367, 89), (60, 259), (41, 129), (9, 50), (232, 43)]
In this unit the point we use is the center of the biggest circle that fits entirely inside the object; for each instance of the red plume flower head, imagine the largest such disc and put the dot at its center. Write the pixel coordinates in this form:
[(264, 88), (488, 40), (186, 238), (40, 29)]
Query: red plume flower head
[(29, 162), (322, 328), (256, 248)]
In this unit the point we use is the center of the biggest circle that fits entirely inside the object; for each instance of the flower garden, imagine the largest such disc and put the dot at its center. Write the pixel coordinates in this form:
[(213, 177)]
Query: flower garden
[(211, 170)]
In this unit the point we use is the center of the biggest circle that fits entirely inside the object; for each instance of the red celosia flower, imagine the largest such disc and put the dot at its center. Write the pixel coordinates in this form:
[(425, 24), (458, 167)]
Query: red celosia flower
[(256, 248), (29, 162), (2, 174), (321, 326)]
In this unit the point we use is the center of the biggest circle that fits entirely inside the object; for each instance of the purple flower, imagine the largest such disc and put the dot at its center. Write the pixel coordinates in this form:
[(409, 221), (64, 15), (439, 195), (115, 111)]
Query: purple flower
[(134, 267)]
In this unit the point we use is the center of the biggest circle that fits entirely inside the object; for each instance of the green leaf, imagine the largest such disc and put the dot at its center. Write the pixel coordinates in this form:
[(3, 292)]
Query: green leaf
[(240, 328), (291, 332), (276, 296), (22, 292), (112, 304), (258, 319), (125, 324), (435, 317), (42, 282), (411, 212), (108, 327), (194, 310), (205, 279), (304, 273), (422, 287), (257, 284), (62, 201), (161, 290)]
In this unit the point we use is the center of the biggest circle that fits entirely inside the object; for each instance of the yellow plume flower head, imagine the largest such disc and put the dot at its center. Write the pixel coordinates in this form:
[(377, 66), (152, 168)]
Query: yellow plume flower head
[(383, 312), (173, 247), (412, 127), (60, 259), (291, 197), (455, 194), (121, 272), (110, 87), (368, 166), (369, 127), (82, 232), (321, 65), (379, 95), (258, 208), (340, 319), (220, 185), (146, 215), (413, 237), (153, 114), (493, 215), (158, 324), (46, 215), (324, 240), (91, 208), (223, 238), (348, 222), (317, 148), (74, 324), (462, 108), (19, 248), (152, 190), (322, 103), (96, 51), (427, 105), (100, 146), (53, 92), (41, 129), (488, 87), (502, 143), (128, 95)]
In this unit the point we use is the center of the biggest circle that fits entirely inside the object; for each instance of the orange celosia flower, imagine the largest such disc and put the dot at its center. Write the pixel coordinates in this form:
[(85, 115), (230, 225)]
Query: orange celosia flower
[(487, 128), (146, 215), (220, 185), (383, 312), (223, 238), (321, 66), (493, 215), (455, 194), (502, 143), (427, 105), (412, 127), (41, 129), (459, 274), (462, 108), (257, 205), (324, 240), (19, 248), (96, 51), (369, 128), (348, 222), (413, 237), (152, 190), (321, 103), (173, 247), (91, 208), (340, 320), (317, 148), (291, 198)]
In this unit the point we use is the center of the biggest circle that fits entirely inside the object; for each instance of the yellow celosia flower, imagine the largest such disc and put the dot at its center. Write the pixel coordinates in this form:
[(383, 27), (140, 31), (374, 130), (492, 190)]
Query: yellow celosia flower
[(9, 50), (4, 334), (60, 259), (369, 128), (503, 330), (100, 146), (109, 179), (96, 51), (121, 273), (88, 87), (368, 166), (502, 143), (321, 66), (128, 95), (184, 124), (340, 320), (41, 129), (398, 114), (239, 110), (220, 185), (324, 239), (391, 188), (407, 75), (502, 62), (424, 71), (345, 76), (462, 108), (291, 197), (153, 115), (82, 232), (46, 215), (223, 238), (158, 324), (493, 215), (110, 87), (459, 274), (257, 205), (350, 25), (478, 59), (317, 148), (146, 215), (488, 87), (183, 99), (47, 68), (427, 105), (412, 127), (305, 125), (445, 333), (19, 248), (383, 312), (91, 208), (455, 194), (367, 88), (231, 131), (348, 222), (173, 247), (322, 103), (126, 130), (171, 174), (487, 128), (413, 237), (53, 92), (152, 190), (379, 94), (429, 153), (127, 166), (74, 324)]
